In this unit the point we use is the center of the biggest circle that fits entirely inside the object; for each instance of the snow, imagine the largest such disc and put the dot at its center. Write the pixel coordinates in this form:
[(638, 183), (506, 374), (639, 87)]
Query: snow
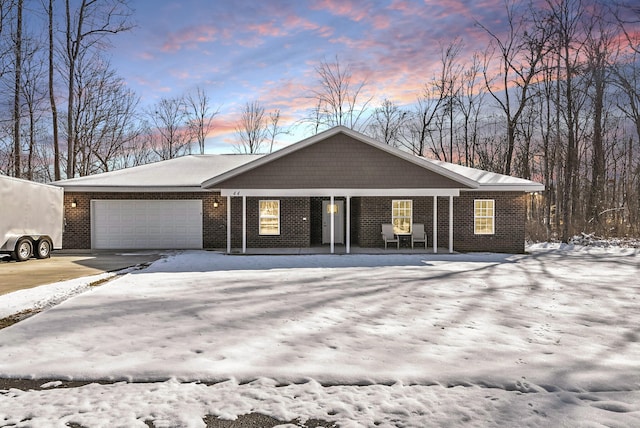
[(548, 338), (185, 171), (45, 296)]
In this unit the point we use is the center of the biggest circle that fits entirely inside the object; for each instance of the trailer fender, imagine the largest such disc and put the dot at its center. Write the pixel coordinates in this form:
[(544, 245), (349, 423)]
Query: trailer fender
[(10, 244)]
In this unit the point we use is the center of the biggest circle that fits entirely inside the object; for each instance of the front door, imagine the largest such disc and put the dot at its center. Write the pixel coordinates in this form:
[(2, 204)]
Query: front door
[(338, 223)]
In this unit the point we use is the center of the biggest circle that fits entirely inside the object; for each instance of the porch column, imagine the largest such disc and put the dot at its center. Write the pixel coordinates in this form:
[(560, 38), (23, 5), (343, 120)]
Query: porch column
[(228, 224), (348, 231), (332, 223), (450, 224), (435, 224), (244, 224)]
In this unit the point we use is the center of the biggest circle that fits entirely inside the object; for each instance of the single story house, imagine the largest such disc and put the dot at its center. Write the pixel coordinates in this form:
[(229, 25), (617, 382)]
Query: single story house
[(335, 188)]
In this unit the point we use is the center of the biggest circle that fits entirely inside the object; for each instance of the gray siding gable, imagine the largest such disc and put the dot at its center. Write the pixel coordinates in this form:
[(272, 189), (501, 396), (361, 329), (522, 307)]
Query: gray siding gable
[(337, 161)]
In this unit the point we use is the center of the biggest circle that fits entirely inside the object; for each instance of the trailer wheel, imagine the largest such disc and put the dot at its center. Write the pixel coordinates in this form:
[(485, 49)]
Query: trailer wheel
[(43, 248), (23, 250)]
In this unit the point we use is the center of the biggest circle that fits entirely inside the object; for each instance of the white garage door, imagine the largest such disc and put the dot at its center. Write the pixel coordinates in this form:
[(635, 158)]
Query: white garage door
[(141, 224)]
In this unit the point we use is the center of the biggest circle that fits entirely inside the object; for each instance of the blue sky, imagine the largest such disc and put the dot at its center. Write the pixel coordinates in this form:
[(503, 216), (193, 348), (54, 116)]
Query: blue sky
[(245, 50)]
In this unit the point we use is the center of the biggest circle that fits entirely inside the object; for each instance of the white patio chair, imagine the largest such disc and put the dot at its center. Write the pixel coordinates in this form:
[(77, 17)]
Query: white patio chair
[(418, 235), (389, 236)]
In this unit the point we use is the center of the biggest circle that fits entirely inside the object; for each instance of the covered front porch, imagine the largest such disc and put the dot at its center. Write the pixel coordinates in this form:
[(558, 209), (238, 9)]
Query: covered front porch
[(329, 222), (269, 200)]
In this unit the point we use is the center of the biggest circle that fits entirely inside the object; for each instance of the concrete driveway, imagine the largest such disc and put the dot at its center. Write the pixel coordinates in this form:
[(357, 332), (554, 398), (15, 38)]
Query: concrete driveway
[(65, 265)]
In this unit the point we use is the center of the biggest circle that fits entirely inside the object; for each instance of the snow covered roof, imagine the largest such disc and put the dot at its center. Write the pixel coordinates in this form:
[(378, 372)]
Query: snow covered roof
[(488, 181), (195, 173), (180, 174)]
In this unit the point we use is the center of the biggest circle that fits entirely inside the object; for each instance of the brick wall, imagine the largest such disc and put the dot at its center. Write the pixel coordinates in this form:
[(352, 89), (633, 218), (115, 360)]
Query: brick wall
[(367, 214), (77, 231), (373, 211), (294, 229), (509, 223)]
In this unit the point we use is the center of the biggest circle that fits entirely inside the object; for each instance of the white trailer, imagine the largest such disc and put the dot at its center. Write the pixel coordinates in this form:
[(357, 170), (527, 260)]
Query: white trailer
[(31, 218)]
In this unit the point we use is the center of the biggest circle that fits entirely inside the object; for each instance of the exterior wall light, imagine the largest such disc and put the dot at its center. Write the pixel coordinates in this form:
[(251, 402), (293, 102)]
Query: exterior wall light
[(74, 203), (332, 209), (215, 203)]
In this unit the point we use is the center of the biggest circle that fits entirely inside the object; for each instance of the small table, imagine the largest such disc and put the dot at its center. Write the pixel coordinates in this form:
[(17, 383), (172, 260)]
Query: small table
[(406, 237)]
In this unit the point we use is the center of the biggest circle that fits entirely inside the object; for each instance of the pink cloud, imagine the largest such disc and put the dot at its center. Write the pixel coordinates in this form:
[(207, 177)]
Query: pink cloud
[(380, 22), (401, 5), (189, 37), (295, 21), (354, 10), (267, 29)]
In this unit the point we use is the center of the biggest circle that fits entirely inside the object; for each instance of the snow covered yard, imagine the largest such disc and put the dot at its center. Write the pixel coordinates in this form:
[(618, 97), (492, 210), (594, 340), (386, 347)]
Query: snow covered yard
[(546, 339)]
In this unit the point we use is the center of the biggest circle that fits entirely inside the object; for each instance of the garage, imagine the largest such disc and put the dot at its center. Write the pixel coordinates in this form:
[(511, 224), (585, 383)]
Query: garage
[(146, 224)]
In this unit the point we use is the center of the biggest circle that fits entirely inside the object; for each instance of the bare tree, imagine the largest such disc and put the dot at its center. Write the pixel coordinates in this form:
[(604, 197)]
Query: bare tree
[(338, 98), (517, 56), (105, 117), (470, 104), (420, 122), (33, 94), (564, 17), (599, 51), (170, 130), (52, 96), (137, 149), (274, 129), (17, 70), (387, 122), (251, 128), (85, 27), (627, 16), (448, 85), (200, 115)]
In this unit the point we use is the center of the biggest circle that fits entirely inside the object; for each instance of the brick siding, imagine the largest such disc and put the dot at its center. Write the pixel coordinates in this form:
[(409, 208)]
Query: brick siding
[(509, 221), (367, 214), (375, 211), (77, 230), (294, 224)]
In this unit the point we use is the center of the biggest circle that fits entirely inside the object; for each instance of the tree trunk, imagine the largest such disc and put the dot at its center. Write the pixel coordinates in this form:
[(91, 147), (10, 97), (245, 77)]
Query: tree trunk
[(16, 95), (52, 100), (596, 194)]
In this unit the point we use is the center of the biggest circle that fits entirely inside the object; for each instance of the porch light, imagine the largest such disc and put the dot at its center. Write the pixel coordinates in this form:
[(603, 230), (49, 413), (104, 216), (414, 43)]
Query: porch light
[(215, 203), (74, 203)]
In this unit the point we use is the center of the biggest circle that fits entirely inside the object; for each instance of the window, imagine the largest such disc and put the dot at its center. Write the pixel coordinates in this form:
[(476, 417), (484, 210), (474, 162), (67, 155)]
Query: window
[(402, 216), (270, 217), (484, 216)]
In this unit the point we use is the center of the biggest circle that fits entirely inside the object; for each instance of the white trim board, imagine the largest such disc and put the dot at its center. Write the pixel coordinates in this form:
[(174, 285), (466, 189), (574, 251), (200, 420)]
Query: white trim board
[(338, 192)]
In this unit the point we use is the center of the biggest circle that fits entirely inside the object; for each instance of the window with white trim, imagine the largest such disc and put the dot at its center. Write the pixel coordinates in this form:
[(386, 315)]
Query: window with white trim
[(269, 217), (484, 216), (402, 215)]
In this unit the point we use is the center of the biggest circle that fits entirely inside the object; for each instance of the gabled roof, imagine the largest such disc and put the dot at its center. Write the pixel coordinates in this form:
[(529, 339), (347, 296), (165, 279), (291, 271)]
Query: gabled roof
[(467, 178), (180, 174), (462, 180)]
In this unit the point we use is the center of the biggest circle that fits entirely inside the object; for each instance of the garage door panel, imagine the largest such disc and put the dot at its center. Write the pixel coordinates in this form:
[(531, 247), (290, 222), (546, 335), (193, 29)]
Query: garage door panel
[(153, 224)]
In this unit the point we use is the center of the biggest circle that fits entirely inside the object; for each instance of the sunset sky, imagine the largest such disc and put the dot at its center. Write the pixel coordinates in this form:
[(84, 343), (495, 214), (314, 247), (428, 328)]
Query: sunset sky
[(246, 50)]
